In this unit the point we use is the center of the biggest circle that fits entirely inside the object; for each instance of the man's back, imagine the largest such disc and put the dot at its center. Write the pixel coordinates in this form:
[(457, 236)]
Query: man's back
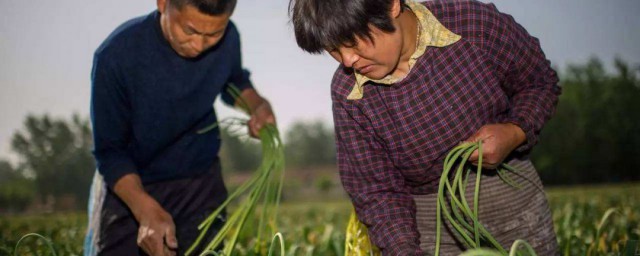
[(148, 102)]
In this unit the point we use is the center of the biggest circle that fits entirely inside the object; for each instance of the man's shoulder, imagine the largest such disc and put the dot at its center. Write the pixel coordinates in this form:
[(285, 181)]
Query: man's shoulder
[(121, 37), (232, 35), (232, 29)]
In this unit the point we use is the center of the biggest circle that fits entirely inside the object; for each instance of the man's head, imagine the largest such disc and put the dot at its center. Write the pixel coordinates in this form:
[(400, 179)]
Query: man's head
[(362, 34), (193, 26)]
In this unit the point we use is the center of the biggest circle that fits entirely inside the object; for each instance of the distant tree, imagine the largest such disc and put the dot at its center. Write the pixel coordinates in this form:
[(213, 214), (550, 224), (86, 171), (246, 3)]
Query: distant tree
[(324, 183), (57, 153), (310, 144), (16, 191), (595, 134)]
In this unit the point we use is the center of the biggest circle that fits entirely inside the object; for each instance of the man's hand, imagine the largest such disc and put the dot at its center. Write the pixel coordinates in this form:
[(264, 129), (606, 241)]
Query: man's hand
[(261, 115), (498, 141), (261, 112), (156, 232)]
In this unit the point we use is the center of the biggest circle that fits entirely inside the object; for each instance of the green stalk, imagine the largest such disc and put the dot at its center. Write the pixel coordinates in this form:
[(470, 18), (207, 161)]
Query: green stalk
[(459, 209), (231, 245), (264, 187), (235, 194), (604, 219), (519, 243), (441, 203), (263, 216), (454, 153), (470, 235), (504, 175), (484, 233), (46, 241), (273, 242), (206, 224), (464, 205), (477, 194), (225, 229)]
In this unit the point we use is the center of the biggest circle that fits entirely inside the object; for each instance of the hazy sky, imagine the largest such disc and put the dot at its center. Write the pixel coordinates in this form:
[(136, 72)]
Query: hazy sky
[(46, 50)]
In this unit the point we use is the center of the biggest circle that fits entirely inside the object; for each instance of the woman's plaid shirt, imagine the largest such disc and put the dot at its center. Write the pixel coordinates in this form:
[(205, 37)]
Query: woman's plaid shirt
[(391, 143)]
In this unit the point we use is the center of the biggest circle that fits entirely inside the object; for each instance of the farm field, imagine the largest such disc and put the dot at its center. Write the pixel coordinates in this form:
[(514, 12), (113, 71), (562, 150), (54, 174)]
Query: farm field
[(317, 228)]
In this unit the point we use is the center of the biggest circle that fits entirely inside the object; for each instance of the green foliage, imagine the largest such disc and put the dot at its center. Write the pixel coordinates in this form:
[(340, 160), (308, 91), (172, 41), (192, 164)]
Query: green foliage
[(319, 228), (595, 129), (57, 153), (578, 215), (324, 184), (66, 231), (310, 144), (16, 191)]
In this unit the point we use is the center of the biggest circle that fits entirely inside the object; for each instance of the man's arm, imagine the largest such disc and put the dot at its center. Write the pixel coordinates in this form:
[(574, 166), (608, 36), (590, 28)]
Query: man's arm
[(110, 116), (259, 107)]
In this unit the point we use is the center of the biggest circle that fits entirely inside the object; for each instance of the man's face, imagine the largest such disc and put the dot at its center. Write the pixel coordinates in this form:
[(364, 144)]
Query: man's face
[(190, 32), (375, 58)]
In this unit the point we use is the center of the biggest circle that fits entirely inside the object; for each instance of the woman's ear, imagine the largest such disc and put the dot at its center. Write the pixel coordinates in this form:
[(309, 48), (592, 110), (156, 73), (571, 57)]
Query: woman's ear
[(396, 8)]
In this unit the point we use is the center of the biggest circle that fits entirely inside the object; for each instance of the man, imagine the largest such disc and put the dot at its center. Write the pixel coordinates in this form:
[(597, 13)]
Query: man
[(154, 82), (415, 80)]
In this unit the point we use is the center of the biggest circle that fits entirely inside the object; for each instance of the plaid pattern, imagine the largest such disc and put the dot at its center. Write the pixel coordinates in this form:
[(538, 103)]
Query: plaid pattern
[(392, 142)]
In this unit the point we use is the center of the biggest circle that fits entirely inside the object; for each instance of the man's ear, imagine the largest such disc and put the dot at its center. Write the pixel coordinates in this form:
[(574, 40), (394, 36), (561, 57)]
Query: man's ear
[(162, 5), (396, 8)]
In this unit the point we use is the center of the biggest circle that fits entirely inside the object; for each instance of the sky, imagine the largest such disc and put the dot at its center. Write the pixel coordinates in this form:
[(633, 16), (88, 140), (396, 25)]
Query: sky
[(46, 51)]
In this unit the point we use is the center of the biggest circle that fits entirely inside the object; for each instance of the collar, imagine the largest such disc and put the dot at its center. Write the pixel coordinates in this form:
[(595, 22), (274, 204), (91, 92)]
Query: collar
[(431, 33)]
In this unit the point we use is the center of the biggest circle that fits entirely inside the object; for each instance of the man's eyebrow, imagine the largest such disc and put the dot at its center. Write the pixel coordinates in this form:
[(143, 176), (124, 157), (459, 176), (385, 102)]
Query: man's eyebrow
[(201, 33)]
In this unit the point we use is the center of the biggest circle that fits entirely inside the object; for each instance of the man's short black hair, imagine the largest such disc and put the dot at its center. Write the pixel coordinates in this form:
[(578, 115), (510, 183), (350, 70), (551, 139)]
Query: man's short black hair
[(327, 24), (210, 7)]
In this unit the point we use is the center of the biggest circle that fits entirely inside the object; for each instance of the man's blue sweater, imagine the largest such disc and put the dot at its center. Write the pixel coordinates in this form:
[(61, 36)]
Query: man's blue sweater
[(147, 102)]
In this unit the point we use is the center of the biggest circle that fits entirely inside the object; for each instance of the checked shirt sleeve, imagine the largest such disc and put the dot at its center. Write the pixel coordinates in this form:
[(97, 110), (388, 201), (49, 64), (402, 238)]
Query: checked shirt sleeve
[(530, 82), (377, 190)]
